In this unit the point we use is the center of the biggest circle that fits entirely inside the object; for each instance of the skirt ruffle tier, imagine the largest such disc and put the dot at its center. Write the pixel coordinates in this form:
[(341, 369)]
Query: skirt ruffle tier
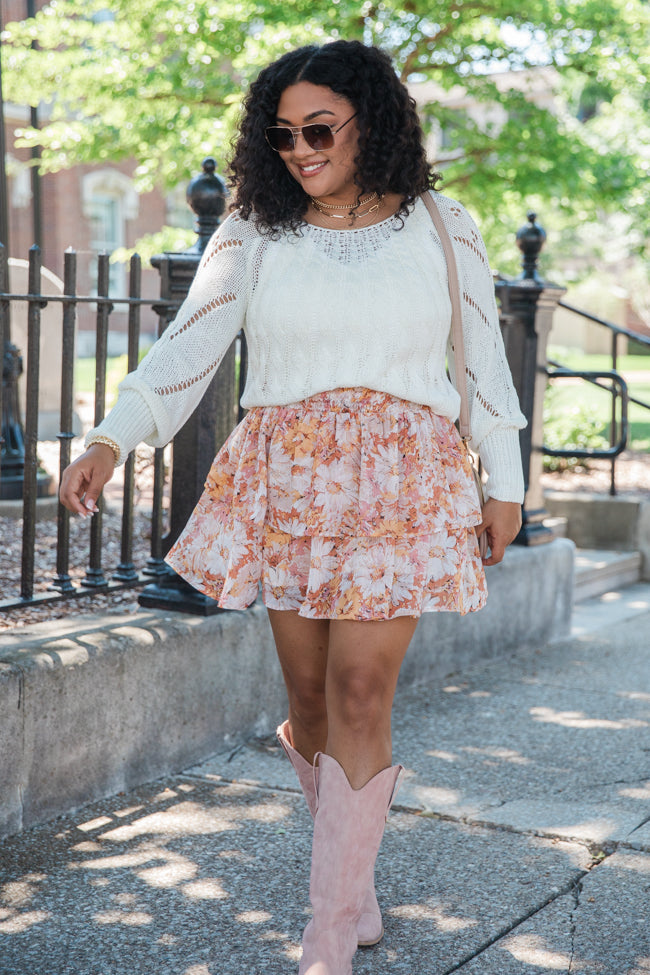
[(351, 504)]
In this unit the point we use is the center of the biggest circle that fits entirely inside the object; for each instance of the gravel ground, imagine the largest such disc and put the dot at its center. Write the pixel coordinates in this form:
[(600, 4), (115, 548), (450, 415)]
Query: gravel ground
[(118, 601), (632, 477)]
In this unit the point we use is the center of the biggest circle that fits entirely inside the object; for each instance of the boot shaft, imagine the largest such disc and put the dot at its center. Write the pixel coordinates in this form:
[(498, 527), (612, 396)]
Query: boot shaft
[(348, 828)]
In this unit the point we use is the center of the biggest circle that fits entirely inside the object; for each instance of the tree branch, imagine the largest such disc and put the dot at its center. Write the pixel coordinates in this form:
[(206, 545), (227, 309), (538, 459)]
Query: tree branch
[(460, 8), (458, 180), (417, 50)]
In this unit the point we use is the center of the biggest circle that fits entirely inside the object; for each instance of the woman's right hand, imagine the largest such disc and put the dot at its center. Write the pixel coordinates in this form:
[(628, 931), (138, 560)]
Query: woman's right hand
[(83, 480)]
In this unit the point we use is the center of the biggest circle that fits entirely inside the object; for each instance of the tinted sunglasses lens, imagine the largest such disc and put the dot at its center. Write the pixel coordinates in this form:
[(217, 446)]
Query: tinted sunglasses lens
[(318, 136), (279, 138)]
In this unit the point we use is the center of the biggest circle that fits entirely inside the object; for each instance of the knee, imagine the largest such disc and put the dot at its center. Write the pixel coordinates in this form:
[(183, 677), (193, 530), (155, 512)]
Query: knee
[(361, 699), (307, 702)]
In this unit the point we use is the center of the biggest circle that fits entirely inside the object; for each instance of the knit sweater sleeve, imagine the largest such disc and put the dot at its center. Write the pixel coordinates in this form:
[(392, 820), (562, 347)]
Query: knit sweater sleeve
[(159, 396), (495, 416)]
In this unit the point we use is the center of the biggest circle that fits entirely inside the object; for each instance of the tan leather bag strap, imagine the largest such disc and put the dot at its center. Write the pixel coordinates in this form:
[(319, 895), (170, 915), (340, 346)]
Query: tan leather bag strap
[(457, 342)]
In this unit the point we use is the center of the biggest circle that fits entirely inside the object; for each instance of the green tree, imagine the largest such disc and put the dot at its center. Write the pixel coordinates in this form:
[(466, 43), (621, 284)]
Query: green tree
[(160, 81)]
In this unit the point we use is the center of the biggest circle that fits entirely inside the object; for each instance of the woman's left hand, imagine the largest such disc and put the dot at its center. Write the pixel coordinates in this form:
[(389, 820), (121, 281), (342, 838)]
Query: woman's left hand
[(501, 521)]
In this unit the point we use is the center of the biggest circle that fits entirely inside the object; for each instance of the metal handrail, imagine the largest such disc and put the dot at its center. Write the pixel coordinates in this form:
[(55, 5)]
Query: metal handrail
[(618, 329), (560, 372), (617, 445)]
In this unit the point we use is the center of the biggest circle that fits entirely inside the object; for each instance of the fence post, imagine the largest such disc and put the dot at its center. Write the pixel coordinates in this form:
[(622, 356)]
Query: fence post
[(12, 460), (199, 439), (527, 307)]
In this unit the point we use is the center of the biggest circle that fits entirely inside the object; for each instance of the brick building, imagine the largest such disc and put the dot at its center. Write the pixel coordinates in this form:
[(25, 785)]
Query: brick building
[(91, 209)]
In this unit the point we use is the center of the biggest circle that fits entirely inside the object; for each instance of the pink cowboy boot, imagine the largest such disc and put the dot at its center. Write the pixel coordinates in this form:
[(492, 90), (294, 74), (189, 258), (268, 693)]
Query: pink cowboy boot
[(370, 928), (348, 828)]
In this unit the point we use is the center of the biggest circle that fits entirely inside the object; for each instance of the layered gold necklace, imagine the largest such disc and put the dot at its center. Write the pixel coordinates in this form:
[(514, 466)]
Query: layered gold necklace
[(354, 211)]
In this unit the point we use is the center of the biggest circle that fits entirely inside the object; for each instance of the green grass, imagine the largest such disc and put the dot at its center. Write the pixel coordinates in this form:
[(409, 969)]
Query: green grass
[(85, 375), (115, 373), (569, 395), (597, 401), (573, 359)]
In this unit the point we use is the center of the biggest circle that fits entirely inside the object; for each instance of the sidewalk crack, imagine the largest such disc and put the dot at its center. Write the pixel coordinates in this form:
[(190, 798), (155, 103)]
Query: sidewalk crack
[(637, 780), (642, 823), (572, 887), (573, 926), (569, 888)]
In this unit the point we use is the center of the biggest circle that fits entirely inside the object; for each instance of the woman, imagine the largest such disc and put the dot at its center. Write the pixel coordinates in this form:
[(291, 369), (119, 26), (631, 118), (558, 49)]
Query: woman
[(345, 490)]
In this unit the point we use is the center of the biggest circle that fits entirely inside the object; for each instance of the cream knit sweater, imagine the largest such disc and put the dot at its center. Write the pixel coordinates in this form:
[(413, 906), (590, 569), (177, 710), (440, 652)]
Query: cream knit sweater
[(328, 309)]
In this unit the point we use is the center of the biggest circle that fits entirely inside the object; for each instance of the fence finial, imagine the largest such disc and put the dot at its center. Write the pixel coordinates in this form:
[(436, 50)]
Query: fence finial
[(206, 195), (530, 240)]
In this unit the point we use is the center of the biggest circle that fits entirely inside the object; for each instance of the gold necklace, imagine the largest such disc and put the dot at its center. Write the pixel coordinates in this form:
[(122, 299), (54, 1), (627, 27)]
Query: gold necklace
[(342, 206), (352, 215)]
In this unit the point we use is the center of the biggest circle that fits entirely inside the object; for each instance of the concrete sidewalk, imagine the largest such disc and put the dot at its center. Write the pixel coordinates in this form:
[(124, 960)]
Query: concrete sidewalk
[(519, 843)]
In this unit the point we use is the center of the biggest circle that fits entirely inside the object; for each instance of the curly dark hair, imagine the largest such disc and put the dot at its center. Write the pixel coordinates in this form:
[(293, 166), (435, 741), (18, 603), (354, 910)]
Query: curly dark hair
[(391, 156)]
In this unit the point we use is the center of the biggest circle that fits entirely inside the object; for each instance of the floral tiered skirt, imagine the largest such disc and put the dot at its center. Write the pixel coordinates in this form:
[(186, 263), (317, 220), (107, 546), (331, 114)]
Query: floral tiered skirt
[(351, 504)]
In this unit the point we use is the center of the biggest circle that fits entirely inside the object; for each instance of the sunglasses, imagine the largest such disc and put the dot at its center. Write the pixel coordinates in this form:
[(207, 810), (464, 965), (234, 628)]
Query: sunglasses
[(317, 135)]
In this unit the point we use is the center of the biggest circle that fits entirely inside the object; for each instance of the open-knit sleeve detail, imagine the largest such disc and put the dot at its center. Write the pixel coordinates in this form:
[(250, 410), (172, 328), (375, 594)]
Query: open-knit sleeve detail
[(212, 305), (495, 416), (473, 242), (171, 379), (219, 245), (186, 383)]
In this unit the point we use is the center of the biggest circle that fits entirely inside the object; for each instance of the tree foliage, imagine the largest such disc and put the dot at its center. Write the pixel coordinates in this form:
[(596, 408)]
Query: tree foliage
[(160, 81)]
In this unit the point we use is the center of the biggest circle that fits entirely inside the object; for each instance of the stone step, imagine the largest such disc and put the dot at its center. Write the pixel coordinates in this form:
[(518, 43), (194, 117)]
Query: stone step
[(592, 616), (598, 571)]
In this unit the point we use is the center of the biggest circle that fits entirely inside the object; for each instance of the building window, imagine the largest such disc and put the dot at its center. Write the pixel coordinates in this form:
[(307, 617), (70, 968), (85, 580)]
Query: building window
[(109, 200), (178, 212), (20, 183), (106, 235)]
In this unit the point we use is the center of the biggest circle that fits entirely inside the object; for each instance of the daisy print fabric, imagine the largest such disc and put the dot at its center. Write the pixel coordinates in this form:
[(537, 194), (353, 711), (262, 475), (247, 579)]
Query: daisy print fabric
[(352, 504)]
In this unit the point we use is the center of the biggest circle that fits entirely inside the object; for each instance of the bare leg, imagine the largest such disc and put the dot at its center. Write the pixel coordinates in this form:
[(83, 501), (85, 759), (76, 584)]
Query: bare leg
[(356, 783), (363, 664), (340, 678), (302, 650)]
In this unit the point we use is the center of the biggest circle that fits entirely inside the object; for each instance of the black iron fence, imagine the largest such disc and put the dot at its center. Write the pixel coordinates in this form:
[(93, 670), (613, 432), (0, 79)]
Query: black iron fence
[(193, 447), (61, 585), (141, 554)]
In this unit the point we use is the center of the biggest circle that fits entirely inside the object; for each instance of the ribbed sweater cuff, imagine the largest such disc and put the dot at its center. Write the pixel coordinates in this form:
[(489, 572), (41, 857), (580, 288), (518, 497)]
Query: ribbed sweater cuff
[(501, 457), (128, 423)]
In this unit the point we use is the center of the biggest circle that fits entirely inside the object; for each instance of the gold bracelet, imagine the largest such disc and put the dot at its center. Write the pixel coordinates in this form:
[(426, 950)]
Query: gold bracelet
[(107, 443)]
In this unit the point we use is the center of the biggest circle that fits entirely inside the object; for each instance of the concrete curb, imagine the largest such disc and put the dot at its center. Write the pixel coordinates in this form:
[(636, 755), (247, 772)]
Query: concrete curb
[(96, 705), (529, 604)]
